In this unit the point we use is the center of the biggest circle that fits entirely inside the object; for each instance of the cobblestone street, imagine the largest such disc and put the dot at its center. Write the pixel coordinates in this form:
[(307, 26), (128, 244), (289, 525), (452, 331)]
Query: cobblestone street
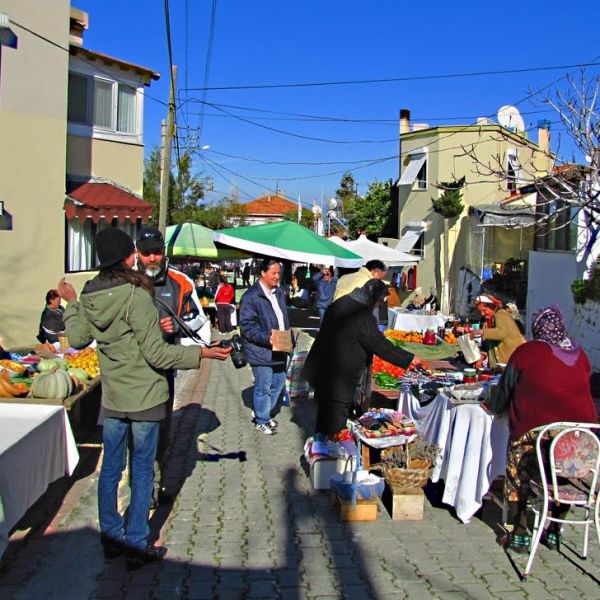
[(247, 524)]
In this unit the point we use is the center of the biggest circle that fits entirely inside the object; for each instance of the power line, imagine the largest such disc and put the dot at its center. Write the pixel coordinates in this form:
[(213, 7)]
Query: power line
[(330, 119), (396, 79), (299, 135), (209, 49)]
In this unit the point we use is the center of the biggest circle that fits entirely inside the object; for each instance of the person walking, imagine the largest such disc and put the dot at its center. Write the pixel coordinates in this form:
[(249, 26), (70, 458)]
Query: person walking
[(178, 292), (224, 298), (262, 310), (325, 284), (116, 309), (246, 275)]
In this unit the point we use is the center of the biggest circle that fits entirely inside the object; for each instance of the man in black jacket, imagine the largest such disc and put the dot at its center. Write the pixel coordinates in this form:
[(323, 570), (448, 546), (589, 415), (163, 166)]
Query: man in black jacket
[(348, 339)]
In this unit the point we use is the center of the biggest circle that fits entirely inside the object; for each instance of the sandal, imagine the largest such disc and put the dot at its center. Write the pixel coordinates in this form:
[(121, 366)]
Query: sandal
[(519, 543), (551, 539)]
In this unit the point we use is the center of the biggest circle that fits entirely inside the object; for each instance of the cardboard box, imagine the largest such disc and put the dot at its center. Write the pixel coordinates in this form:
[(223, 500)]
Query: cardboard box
[(407, 504), (363, 510), (282, 340)]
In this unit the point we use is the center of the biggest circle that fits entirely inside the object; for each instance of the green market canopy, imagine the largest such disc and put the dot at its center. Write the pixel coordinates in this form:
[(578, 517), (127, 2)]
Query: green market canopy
[(190, 240), (289, 241)]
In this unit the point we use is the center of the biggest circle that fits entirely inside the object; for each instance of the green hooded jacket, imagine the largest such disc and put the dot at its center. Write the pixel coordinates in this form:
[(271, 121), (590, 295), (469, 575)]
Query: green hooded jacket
[(132, 354)]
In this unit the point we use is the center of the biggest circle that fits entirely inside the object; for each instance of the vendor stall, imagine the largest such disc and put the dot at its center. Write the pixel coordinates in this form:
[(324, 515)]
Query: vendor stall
[(473, 444), (36, 448), (407, 320)]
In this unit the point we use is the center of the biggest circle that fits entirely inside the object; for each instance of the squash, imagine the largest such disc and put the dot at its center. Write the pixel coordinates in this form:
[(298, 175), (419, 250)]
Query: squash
[(49, 364), (55, 383), (78, 373)]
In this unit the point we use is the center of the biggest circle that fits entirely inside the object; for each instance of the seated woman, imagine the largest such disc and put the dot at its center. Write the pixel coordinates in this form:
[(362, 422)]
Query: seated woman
[(546, 380), (418, 300), (52, 324), (501, 335)]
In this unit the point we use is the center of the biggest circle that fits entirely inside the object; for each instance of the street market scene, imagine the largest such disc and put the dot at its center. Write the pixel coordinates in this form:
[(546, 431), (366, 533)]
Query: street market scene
[(382, 381)]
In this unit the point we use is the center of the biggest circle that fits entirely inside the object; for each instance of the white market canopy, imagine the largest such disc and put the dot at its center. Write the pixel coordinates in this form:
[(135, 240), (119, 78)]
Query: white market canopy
[(289, 241), (369, 250)]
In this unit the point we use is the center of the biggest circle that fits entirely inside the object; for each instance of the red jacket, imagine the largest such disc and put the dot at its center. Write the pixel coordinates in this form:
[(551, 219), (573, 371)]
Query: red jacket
[(225, 294), (546, 390)]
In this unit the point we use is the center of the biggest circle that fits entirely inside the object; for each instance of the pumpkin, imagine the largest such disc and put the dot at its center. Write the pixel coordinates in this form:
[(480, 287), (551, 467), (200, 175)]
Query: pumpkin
[(49, 364), (52, 384), (78, 373)]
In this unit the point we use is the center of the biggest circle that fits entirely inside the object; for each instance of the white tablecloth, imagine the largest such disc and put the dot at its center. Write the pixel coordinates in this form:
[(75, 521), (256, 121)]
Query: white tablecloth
[(36, 448), (403, 320), (473, 445)]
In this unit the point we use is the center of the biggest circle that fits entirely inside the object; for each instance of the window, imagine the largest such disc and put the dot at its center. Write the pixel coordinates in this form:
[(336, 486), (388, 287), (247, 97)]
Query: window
[(81, 236), (78, 98), (104, 104), (415, 173), (513, 169), (421, 180)]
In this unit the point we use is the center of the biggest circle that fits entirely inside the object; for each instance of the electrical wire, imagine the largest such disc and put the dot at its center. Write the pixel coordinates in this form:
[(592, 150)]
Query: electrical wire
[(207, 63), (396, 79)]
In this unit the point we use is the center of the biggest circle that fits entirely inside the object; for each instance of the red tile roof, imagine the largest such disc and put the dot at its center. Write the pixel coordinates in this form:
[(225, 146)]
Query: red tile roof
[(98, 200), (270, 205)]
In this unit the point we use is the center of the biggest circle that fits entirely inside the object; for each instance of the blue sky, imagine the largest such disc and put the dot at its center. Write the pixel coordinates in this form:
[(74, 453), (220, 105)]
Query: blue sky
[(279, 41)]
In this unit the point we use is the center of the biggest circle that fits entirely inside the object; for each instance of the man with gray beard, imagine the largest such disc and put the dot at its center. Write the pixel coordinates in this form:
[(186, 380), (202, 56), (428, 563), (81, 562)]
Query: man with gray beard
[(178, 292)]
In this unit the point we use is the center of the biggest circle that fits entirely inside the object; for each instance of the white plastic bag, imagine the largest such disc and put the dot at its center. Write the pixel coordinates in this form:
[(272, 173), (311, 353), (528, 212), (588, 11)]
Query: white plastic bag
[(469, 348)]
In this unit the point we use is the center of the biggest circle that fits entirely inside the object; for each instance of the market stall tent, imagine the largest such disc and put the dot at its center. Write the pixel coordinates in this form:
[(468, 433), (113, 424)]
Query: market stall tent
[(289, 241), (190, 240), (369, 250)]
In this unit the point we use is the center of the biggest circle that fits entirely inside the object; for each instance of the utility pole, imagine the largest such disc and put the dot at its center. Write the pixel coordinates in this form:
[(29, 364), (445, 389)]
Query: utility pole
[(166, 139)]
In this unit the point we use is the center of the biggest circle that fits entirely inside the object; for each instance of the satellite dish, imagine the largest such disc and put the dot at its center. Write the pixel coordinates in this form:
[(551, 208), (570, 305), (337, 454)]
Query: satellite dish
[(333, 204), (510, 117)]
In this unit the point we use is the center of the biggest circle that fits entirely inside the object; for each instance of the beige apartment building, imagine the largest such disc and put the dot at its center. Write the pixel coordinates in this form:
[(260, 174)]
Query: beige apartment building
[(71, 159), (495, 162)]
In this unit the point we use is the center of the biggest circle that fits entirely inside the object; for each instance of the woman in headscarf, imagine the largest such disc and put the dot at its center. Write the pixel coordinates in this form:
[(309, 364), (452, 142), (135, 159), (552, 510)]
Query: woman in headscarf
[(546, 380), (501, 336), (343, 351)]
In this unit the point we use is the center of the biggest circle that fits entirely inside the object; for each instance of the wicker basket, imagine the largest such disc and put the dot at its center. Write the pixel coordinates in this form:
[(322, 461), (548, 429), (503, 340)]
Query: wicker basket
[(415, 476), (398, 477)]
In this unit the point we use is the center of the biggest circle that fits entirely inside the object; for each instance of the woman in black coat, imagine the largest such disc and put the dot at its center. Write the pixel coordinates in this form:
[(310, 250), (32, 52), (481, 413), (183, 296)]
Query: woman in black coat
[(344, 348)]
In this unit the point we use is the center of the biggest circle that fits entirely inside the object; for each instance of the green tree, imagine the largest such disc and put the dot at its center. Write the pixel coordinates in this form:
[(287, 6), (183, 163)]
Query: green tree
[(346, 193), (449, 206), (371, 211), (185, 191), (306, 217)]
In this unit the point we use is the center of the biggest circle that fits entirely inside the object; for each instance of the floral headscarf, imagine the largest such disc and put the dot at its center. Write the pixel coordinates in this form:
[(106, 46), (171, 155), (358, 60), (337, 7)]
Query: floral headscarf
[(548, 326)]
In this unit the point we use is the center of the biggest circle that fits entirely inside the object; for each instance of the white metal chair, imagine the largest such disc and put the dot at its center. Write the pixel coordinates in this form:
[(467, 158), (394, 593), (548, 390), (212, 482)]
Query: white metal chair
[(573, 463)]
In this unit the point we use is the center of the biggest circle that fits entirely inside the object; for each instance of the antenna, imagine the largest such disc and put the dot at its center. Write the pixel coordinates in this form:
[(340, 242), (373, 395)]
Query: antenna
[(510, 117)]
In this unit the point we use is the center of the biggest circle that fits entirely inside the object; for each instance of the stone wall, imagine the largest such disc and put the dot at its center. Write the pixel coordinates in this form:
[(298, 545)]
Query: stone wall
[(585, 328)]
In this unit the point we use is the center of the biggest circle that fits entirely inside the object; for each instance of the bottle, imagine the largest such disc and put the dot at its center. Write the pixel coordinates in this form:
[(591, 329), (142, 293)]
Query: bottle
[(467, 328)]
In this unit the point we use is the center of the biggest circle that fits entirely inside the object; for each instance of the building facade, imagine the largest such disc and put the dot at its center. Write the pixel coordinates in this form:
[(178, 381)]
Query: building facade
[(53, 142)]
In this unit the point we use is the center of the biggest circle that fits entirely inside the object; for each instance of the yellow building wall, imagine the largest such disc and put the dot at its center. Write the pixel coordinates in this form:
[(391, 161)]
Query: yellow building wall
[(447, 160), (120, 162), (33, 106)]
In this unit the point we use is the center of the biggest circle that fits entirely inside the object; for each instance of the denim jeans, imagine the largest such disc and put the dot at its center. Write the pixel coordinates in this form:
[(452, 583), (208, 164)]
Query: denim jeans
[(268, 384), (134, 531)]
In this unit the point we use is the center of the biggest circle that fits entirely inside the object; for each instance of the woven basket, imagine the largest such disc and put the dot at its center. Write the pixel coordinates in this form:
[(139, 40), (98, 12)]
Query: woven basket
[(400, 477), (405, 478)]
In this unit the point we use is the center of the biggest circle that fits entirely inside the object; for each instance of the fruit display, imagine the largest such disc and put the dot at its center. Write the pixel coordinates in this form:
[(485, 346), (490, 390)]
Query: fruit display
[(86, 359), (9, 389), (415, 337), (12, 365)]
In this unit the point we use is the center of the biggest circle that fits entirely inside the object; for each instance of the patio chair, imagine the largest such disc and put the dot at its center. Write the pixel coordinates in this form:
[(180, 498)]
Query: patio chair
[(573, 463)]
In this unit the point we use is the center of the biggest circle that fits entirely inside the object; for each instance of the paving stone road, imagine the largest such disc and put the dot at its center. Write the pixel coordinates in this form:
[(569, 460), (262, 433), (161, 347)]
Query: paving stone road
[(247, 524)]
